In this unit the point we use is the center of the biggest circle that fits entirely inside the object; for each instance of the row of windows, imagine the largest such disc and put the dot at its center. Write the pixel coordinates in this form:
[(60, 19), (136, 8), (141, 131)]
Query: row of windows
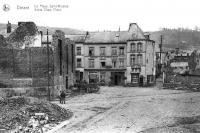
[(102, 63), (136, 79), (135, 59), (134, 47), (102, 51)]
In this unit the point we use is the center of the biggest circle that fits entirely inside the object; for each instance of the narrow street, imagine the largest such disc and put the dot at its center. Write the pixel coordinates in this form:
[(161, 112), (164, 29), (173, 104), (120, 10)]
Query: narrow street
[(126, 109)]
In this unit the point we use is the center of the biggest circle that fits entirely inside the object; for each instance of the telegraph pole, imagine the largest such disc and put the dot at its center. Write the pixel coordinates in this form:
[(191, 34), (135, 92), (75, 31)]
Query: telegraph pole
[(161, 41), (49, 93)]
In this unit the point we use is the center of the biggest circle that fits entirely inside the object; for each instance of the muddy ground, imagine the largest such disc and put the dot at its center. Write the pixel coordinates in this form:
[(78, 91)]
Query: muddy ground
[(134, 110)]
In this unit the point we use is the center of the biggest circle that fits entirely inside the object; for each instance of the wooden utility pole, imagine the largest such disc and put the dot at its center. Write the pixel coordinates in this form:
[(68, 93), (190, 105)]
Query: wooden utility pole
[(161, 62), (49, 93), (161, 41)]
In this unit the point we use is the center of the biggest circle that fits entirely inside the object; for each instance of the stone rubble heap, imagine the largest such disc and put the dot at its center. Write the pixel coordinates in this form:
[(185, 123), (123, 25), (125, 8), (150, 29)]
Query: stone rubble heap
[(29, 113)]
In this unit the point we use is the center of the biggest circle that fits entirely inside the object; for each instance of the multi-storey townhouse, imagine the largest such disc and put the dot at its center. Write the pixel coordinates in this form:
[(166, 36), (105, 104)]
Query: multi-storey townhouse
[(115, 57)]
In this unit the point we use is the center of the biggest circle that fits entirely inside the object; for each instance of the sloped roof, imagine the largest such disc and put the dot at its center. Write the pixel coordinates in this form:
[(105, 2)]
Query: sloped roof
[(78, 38), (111, 36), (134, 33)]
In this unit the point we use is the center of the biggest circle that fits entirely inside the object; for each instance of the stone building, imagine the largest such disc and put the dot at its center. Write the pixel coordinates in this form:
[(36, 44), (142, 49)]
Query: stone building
[(64, 61), (115, 57)]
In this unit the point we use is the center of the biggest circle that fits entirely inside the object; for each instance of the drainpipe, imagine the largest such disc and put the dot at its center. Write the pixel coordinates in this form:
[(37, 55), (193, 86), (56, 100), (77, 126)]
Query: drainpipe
[(146, 59), (153, 61)]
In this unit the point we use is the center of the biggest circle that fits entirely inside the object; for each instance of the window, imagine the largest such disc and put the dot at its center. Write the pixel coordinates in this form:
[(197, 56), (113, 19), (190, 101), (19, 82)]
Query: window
[(102, 77), (114, 50), (102, 51), (78, 50), (139, 47), (121, 51), (91, 51), (79, 62), (114, 62), (121, 62), (103, 64), (91, 63), (93, 77), (133, 49), (134, 78), (132, 60), (139, 57)]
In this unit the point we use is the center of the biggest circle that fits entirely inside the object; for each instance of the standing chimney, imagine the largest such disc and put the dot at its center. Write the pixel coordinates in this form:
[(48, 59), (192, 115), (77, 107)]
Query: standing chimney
[(9, 27)]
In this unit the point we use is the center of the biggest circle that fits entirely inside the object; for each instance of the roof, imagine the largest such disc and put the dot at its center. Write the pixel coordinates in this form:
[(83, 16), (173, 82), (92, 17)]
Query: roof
[(134, 33), (78, 38)]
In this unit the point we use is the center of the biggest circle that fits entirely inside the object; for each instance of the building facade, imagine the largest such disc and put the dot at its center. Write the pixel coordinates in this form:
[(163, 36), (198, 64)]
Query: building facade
[(115, 57)]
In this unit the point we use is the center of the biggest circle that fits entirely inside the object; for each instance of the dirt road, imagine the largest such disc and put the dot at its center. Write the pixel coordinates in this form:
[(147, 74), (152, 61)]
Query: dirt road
[(134, 110)]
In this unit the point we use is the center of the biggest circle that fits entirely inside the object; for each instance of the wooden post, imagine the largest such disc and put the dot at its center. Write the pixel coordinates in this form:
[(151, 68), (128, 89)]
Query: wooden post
[(49, 93)]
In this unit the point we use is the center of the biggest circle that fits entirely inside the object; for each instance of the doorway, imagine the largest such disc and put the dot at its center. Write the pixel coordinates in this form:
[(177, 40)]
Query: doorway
[(141, 80), (66, 82), (118, 78)]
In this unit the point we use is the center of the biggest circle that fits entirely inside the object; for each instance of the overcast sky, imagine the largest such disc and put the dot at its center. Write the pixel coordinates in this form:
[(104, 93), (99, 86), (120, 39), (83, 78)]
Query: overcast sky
[(94, 15)]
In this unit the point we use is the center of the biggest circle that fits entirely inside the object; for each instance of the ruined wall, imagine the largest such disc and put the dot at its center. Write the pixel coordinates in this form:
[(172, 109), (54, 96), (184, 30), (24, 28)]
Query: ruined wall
[(27, 63), (64, 61)]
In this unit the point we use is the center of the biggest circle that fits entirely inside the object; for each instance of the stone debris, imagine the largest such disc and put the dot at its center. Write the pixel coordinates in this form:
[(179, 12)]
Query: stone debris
[(27, 114), (37, 123)]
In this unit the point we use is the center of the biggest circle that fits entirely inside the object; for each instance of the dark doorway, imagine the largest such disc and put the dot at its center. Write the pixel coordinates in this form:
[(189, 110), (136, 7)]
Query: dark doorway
[(117, 78), (141, 81), (81, 76), (66, 80), (60, 54)]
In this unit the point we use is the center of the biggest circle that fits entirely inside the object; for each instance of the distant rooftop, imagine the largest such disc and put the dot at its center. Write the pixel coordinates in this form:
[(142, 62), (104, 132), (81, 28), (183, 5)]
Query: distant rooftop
[(133, 33)]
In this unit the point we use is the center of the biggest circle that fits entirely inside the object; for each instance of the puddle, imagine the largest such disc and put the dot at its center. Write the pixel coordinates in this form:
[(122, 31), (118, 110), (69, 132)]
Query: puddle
[(99, 109)]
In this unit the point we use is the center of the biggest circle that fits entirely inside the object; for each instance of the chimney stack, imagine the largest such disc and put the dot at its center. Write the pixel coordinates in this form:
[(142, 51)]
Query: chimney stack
[(9, 27), (147, 35)]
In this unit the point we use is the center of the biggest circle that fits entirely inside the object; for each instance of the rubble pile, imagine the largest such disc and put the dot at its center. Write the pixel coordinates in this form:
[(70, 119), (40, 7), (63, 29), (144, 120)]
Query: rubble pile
[(182, 86), (20, 111)]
